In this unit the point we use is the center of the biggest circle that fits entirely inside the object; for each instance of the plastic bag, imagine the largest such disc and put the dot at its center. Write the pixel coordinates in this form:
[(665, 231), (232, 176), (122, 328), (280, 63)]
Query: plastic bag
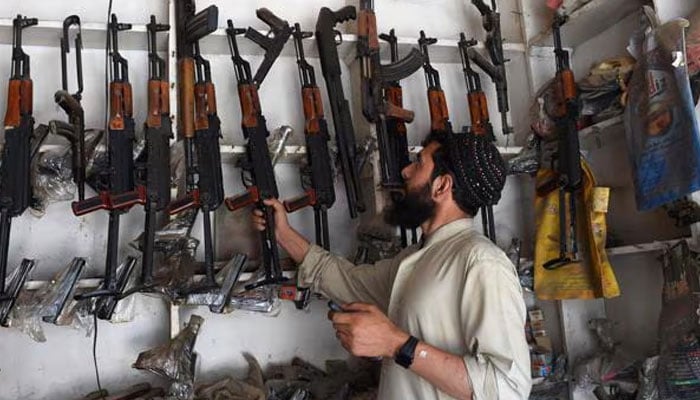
[(252, 388), (219, 300), (528, 160), (648, 389), (678, 373), (662, 131), (175, 360)]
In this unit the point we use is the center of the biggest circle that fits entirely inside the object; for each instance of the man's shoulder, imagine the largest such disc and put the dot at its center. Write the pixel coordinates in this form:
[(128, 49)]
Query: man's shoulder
[(475, 250)]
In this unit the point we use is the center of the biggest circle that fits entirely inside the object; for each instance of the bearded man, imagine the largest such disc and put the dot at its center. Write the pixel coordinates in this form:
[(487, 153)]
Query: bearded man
[(446, 315)]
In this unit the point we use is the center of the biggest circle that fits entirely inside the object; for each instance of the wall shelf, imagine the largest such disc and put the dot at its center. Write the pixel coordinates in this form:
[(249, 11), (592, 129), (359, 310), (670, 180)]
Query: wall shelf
[(587, 21), (292, 154), (444, 51), (48, 33), (642, 247)]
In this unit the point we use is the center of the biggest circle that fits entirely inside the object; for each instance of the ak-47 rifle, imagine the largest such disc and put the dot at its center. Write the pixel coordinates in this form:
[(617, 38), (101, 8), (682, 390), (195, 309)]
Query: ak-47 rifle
[(568, 158), (326, 35), (496, 68), (121, 172), (319, 192), (480, 121), (397, 136), (439, 115), (257, 172), (70, 103), (199, 125), (317, 176), (153, 190), (15, 185), (374, 79)]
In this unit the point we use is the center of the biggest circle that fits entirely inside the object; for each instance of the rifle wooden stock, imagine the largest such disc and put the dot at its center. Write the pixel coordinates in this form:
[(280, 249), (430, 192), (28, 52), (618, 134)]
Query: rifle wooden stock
[(313, 110), (128, 199), (14, 99), (201, 117), (299, 202), (250, 105), (439, 116), (478, 112), (99, 202), (26, 96), (247, 198), (186, 93), (565, 91), (394, 111), (116, 103), (367, 28), (190, 200), (155, 102), (394, 96), (211, 97)]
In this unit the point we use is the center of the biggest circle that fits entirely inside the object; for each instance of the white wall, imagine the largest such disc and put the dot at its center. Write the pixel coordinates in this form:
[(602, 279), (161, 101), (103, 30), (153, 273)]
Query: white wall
[(62, 367)]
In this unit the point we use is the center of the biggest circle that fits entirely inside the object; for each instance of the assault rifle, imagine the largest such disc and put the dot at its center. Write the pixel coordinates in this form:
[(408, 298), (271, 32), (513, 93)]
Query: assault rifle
[(374, 78), (326, 35), (480, 121), (70, 103), (496, 68), (568, 158), (258, 174), (319, 192), (121, 172), (153, 191), (15, 185), (439, 115), (397, 137), (199, 125)]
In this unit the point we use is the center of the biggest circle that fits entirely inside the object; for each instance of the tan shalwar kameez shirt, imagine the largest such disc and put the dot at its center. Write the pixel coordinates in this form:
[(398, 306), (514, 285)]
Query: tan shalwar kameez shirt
[(457, 292)]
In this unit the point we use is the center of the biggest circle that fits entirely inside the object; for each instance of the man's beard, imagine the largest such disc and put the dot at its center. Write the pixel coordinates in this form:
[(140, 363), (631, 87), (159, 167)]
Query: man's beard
[(412, 209)]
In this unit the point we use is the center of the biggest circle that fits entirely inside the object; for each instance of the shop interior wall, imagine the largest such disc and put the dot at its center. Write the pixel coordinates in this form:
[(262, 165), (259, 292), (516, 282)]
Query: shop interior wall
[(62, 367)]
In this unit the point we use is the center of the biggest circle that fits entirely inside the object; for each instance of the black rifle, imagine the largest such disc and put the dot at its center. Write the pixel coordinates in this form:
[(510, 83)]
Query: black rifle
[(70, 103), (374, 79), (15, 185), (121, 171), (496, 68), (480, 121), (199, 126), (257, 172), (439, 115), (397, 135), (319, 192), (568, 157), (153, 190), (326, 35)]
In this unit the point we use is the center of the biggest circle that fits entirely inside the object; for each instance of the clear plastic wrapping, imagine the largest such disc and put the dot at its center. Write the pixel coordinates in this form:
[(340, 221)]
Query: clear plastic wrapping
[(648, 389), (528, 160), (175, 360)]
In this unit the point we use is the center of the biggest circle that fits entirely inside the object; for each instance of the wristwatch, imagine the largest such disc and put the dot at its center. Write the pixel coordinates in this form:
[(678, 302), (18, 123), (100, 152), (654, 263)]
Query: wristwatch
[(404, 357)]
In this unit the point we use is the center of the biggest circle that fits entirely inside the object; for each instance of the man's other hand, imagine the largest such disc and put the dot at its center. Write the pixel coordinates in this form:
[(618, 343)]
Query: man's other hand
[(365, 331)]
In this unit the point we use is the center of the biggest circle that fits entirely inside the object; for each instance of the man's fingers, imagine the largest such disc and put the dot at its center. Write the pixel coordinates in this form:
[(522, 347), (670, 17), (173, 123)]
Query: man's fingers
[(274, 203), (341, 318), (258, 212)]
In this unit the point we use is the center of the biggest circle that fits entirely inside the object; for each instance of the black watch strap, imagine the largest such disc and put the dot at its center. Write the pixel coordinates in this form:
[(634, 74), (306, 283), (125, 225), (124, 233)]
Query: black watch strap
[(404, 357)]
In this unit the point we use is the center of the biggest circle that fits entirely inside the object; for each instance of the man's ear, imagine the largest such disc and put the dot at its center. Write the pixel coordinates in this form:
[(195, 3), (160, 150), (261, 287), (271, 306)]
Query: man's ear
[(442, 186)]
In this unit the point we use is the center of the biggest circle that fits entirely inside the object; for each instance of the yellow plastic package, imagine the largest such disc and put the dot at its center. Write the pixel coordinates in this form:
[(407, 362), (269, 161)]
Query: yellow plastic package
[(592, 276)]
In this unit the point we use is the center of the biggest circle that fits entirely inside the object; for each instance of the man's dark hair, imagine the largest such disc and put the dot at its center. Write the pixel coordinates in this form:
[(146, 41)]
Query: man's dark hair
[(477, 169)]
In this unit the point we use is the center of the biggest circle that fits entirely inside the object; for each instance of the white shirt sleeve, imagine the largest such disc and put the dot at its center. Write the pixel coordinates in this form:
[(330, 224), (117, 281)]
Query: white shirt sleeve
[(493, 312)]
